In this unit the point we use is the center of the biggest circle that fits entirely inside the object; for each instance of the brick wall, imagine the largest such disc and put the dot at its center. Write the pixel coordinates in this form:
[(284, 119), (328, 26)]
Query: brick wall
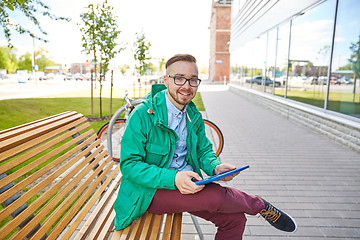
[(220, 24)]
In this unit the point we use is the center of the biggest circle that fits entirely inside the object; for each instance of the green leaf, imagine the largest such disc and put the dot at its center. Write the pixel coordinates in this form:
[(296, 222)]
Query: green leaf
[(11, 7)]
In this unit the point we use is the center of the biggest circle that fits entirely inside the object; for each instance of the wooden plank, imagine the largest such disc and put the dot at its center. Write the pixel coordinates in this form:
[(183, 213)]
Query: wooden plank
[(84, 189), (26, 136), (176, 227), (97, 211), (21, 147), (51, 191), (4, 134), (157, 222), (21, 185), (136, 225), (147, 227), (103, 218), (117, 234), (23, 158), (85, 195), (167, 227), (104, 234), (125, 233)]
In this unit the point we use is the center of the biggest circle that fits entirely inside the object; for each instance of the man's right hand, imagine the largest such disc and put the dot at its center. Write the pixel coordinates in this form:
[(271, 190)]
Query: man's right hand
[(184, 183)]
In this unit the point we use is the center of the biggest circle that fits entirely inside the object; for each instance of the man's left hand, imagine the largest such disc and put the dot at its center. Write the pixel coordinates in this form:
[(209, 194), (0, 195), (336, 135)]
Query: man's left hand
[(223, 168)]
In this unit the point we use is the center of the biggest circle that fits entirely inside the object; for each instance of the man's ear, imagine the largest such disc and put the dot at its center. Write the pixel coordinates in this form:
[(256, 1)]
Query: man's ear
[(166, 81)]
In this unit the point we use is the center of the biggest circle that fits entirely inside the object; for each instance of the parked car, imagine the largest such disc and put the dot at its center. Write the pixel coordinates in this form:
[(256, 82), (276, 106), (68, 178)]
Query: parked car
[(3, 76), (79, 76), (259, 81), (345, 80), (335, 80), (158, 80), (68, 76)]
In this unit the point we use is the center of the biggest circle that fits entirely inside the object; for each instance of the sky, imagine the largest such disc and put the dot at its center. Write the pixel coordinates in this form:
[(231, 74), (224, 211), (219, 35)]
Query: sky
[(171, 26)]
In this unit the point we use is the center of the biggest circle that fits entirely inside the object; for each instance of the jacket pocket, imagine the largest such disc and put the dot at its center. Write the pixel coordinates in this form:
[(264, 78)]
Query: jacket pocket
[(156, 153)]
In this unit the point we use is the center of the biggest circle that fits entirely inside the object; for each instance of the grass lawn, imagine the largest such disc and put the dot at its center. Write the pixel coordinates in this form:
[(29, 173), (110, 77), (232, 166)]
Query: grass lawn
[(14, 112), (344, 103)]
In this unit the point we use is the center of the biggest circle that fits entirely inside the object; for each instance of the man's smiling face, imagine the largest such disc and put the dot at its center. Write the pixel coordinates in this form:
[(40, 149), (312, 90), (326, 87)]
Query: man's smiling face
[(180, 96)]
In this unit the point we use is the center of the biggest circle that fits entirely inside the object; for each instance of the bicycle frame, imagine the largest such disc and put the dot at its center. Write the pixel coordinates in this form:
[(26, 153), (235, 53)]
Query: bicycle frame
[(129, 103)]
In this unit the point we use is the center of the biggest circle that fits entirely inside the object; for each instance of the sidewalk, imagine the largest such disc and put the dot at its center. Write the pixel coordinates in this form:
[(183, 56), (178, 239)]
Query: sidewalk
[(314, 179)]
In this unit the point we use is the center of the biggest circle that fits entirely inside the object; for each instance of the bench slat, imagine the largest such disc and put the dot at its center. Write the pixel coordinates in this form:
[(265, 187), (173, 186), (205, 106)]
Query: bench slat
[(149, 227), (7, 133), (71, 213), (38, 174), (176, 227), (21, 147), (167, 227), (23, 158), (84, 231), (103, 218), (105, 231), (26, 136), (156, 227), (48, 194), (146, 230)]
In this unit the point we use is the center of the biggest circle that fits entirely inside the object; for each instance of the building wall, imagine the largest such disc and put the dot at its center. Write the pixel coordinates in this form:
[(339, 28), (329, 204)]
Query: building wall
[(220, 24)]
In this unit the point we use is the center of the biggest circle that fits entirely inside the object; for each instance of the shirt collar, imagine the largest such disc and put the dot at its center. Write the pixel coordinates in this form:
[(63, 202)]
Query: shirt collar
[(171, 107)]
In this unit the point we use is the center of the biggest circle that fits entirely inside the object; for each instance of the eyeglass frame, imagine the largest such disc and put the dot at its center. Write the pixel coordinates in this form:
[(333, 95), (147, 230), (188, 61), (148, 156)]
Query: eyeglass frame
[(186, 80)]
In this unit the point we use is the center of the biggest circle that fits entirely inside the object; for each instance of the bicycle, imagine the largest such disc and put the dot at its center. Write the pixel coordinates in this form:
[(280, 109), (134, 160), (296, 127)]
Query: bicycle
[(117, 125)]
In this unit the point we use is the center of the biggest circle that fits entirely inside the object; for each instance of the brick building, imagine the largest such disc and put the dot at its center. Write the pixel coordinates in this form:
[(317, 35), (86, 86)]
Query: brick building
[(220, 25)]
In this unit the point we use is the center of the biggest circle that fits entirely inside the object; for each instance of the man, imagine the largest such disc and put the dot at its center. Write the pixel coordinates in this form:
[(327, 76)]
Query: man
[(163, 149)]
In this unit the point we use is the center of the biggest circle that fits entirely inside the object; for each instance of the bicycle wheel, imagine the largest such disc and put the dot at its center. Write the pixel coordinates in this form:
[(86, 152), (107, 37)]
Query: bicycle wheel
[(215, 136), (117, 133)]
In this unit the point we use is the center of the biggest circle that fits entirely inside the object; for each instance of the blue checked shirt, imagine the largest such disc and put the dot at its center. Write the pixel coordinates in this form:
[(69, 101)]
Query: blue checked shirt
[(177, 122)]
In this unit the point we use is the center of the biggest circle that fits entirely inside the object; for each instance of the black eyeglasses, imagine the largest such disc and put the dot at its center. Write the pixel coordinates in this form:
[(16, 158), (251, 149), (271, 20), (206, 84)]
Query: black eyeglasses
[(180, 81)]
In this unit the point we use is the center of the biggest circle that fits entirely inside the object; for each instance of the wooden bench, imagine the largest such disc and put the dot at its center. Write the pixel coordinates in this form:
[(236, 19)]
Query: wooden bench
[(57, 182)]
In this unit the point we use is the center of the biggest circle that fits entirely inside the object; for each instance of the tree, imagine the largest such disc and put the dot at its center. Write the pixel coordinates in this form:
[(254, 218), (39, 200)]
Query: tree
[(355, 62), (25, 62), (124, 68), (141, 54), (28, 8), (90, 32), (99, 38), (8, 59), (162, 65)]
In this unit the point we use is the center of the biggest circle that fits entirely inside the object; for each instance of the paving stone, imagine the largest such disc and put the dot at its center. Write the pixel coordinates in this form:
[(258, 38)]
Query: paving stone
[(308, 175)]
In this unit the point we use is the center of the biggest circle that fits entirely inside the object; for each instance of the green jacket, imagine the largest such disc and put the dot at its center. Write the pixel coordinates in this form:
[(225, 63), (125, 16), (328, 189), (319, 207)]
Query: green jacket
[(147, 148)]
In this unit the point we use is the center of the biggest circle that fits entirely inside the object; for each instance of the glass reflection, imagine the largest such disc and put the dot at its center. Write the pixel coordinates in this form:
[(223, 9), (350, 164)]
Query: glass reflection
[(344, 95), (310, 54)]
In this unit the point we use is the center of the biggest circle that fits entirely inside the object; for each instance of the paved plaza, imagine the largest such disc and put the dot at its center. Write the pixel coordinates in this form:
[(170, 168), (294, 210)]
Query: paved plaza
[(314, 179)]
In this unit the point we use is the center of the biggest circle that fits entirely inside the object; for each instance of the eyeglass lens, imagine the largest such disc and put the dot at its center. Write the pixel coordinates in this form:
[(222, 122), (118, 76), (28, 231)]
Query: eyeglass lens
[(194, 82)]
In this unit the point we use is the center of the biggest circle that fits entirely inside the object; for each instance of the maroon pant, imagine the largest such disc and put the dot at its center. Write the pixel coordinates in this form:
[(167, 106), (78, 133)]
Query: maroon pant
[(224, 206)]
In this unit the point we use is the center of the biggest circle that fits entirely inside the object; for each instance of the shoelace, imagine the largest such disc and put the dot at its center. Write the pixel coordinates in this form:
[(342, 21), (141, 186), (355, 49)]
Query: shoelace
[(271, 214)]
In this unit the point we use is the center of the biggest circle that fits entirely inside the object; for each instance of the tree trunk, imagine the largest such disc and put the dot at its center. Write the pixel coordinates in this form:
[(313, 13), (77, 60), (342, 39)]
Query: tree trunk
[(111, 92), (100, 96), (92, 92)]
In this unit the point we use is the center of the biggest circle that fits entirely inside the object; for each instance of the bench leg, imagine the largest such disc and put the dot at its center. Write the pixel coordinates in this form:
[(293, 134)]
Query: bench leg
[(197, 226)]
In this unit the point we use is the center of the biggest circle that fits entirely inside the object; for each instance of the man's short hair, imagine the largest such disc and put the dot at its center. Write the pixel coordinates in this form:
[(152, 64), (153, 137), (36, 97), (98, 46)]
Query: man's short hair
[(180, 57)]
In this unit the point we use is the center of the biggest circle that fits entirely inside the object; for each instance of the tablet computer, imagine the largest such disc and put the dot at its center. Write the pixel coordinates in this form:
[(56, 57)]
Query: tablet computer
[(220, 175)]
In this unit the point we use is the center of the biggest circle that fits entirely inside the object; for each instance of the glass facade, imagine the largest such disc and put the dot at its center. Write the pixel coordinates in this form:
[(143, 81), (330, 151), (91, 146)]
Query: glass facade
[(313, 58)]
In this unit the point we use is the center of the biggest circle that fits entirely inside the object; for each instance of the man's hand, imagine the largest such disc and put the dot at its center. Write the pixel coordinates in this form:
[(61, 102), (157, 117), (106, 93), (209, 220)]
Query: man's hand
[(184, 183), (223, 168)]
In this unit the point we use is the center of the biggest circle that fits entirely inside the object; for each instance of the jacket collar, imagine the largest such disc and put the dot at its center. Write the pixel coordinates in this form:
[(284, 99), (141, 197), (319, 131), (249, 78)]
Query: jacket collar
[(155, 100)]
